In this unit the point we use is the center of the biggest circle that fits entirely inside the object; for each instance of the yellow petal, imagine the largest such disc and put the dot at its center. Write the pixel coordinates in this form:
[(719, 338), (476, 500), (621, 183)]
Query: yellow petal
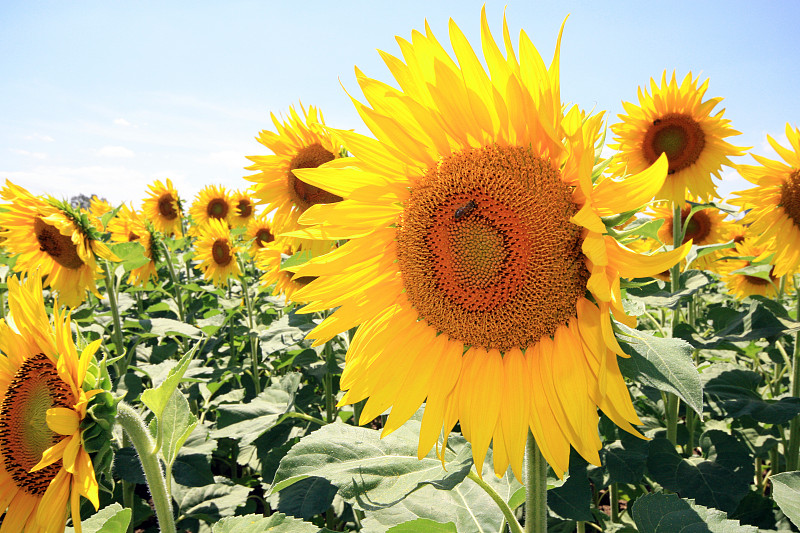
[(612, 197), (63, 421)]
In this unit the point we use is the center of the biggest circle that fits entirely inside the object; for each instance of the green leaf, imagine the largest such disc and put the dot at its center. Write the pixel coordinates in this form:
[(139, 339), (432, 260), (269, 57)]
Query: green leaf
[(667, 513), (156, 399), (296, 260), (165, 327), (423, 524), (755, 271), (131, 254), (306, 498), (654, 295), (275, 523), (111, 519), (370, 472), (625, 460), (642, 227), (284, 332), (212, 502), (663, 363), (699, 251), (786, 492), (573, 499), (177, 423)]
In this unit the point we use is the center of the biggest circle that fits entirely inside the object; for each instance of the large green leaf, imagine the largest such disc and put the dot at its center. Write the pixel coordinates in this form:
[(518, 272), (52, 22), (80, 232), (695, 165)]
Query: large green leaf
[(573, 499), (212, 502), (285, 332), (625, 460), (663, 363), (111, 519), (786, 491), (156, 399), (370, 472), (655, 295), (166, 327), (275, 523), (306, 498), (423, 524), (131, 254), (667, 513), (177, 423)]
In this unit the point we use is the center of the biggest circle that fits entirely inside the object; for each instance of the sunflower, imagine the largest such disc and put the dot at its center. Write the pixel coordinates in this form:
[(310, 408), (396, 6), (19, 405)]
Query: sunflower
[(163, 208), (128, 226), (773, 205), (706, 226), (744, 285), (475, 240), (44, 468), (284, 282), (243, 209), (99, 206), (297, 143), (675, 121), (50, 237), (213, 202), (260, 232), (216, 252)]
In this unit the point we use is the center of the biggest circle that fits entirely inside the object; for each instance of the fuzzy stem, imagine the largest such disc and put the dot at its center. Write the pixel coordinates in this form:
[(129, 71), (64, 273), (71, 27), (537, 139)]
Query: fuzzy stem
[(672, 405), (134, 427), (513, 525), (254, 356), (330, 415), (535, 487), (613, 494), (794, 426), (111, 290), (175, 287)]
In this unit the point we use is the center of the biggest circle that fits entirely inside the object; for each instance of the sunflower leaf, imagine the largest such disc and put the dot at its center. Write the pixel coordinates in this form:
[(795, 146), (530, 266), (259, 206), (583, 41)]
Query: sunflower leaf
[(786, 492), (111, 519), (156, 399), (665, 513), (130, 253), (275, 523), (663, 363)]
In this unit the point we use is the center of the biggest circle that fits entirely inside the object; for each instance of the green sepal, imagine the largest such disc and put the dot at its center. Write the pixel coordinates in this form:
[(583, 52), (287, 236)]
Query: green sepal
[(80, 219), (615, 220), (96, 431)]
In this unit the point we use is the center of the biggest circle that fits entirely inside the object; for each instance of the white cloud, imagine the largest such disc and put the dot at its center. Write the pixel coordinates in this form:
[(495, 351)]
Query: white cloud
[(38, 137), (121, 122), (36, 155), (115, 151)]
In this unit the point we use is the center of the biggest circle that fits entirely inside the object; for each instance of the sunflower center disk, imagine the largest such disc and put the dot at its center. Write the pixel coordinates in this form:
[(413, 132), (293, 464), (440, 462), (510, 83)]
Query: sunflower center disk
[(24, 434), (59, 247), (245, 208), (676, 135), (263, 237), (221, 252), (790, 197), (217, 208), (165, 207), (698, 228), (486, 250), (306, 195)]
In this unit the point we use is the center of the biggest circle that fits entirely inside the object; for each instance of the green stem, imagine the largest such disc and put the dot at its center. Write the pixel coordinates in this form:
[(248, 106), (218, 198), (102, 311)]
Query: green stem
[(759, 475), (672, 405), (535, 487), (176, 290), (251, 333), (111, 290), (794, 426), (134, 427), (613, 490), (513, 525), (330, 415), (581, 527), (774, 461), (128, 488)]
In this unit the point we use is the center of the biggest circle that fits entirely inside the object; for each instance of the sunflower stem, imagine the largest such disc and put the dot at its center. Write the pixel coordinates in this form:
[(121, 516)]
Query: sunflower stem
[(134, 427), (176, 290), (613, 496), (328, 383), (535, 488), (794, 426), (111, 290), (513, 525), (672, 405), (251, 332)]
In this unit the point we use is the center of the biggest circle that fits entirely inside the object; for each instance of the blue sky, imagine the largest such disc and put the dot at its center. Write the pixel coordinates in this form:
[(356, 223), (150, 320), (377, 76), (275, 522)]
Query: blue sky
[(106, 97)]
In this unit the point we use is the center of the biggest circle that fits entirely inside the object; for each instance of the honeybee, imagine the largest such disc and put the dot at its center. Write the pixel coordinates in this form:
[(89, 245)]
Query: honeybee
[(461, 212)]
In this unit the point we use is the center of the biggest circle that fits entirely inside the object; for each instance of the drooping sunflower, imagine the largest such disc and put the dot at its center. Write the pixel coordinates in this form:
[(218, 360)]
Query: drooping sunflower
[(297, 143), (128, 226), (243, 209), (260, 232), (216, 251), (44, 468), (163, 208), (50, 238), (475, 240), (674, 120), (743, 285), (773, 205), (213, 202)]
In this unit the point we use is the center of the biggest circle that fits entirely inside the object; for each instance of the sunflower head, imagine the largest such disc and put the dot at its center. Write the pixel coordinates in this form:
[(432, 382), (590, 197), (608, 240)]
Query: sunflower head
[(673, 119), (243, 209), (128, 226), (260, 231), (478, 269), (163, 208), (44, 466), (773, 205), (217, 252), (283, 282), (213, 202), (297, 143), (742, 284)]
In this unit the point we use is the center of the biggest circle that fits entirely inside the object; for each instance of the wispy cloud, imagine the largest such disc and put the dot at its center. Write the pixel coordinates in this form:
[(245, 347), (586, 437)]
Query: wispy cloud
[(115, 151), (121, 122), (38, 137), (35, 155)]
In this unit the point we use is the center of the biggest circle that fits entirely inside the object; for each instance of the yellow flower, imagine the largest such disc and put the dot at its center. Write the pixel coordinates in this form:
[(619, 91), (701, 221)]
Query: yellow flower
[(297, 143), (243, 209), (44, 468), (213, 202), (674, 120), (259, 230), (744, 285), (773, 205), (49, 238), (216, 252), (285, 283), (98, 206), (128, 226), (163, 208), (706, 226), (475, 239)]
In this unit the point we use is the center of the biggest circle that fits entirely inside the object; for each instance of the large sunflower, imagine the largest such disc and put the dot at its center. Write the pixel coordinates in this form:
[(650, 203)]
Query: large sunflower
[(297, 143), (478, 270), (128, 226), (674, 120), (44, 468), (216, 252), (50, 238), (163, 208), (773, 205), (744, 285)]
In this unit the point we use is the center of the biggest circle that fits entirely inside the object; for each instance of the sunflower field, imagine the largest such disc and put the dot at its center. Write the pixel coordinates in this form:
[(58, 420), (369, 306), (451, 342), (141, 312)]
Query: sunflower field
[(497, 312)]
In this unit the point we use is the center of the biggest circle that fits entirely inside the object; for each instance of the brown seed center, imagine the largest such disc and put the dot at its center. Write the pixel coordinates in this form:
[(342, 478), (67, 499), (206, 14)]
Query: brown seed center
[(306, 195), (59, 247), (263, 237), (166, 207), (24, 433), (790, 197), (221, 252), (486, 249), (244, 208), (217, 208), (677, 135)]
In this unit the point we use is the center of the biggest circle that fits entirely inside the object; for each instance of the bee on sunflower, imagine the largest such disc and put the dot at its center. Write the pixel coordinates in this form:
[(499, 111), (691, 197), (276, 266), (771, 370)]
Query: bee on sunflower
[(163, 209), (478, 270), (50, 237)]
